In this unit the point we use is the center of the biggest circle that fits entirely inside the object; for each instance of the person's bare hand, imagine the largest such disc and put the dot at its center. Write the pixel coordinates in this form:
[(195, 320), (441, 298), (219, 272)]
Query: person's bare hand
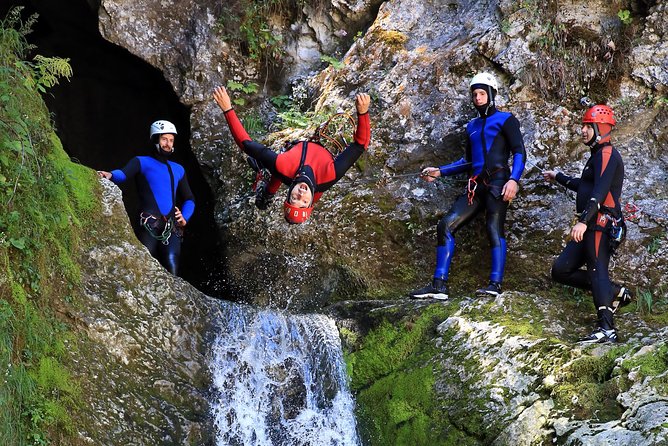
[(104, 174), (577, 233), (509, 190), (430, 174), (180, 221), (222, 98), (362, 102), (549, 175)]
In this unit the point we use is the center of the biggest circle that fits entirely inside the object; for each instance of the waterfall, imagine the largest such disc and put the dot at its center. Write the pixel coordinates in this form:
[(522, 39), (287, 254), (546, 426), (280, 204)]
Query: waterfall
[(280, 380)]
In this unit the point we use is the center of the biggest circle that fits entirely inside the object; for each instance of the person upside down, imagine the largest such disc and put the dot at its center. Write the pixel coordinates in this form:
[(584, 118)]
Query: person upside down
[(306, 167)]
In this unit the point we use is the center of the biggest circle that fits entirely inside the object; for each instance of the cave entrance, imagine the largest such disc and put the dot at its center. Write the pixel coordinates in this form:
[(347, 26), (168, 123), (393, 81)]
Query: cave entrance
[(103, 114)]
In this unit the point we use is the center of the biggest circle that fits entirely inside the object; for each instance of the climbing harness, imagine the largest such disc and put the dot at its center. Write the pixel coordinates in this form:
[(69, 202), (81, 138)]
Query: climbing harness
[(151, 224)]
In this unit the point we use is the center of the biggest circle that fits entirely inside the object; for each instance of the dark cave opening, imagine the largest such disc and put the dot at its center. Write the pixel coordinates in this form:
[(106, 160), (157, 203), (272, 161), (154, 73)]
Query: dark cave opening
[(103, 114)]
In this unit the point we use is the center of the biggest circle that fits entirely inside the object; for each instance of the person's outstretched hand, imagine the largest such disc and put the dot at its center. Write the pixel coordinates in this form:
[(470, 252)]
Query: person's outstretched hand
[(222, 98), (430, 174), (549, 175), (362, 101)]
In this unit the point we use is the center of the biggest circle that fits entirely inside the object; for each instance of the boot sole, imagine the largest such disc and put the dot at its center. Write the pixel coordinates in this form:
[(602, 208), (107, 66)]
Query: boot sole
[(430, 296)]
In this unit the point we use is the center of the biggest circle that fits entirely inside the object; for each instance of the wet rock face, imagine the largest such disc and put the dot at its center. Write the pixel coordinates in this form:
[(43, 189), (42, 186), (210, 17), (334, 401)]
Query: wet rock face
[(145, 375), (505, 371), (415, 59), (650, 56)]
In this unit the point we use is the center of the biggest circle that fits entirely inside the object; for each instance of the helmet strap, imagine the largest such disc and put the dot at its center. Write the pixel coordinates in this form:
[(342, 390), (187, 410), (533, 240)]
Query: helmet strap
[(597, 135), (596, 138)]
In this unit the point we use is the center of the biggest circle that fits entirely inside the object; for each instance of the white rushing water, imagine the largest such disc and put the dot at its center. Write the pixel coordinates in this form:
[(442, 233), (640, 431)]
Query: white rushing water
[(280, 380)]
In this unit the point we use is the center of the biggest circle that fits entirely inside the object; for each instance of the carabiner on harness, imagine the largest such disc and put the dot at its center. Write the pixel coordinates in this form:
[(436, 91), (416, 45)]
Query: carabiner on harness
[(471, 186), (150, 223)]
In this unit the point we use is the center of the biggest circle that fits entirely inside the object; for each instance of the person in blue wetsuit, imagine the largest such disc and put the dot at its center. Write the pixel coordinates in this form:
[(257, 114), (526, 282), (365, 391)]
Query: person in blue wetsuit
[(161, 184), (493, 137), (600, 225)]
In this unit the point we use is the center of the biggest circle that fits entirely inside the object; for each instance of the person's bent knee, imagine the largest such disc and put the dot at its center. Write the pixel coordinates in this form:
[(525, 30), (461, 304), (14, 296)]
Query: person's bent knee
[(558, 273)]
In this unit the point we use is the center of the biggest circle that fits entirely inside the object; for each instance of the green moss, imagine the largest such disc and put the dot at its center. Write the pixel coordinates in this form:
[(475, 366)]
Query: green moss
[(587, 387), (394, 375), (45, 204), (652, 363), (394, 39)]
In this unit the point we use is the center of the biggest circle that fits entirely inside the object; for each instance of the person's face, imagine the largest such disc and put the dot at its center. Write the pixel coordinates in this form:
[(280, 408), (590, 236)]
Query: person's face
[(587, 132), (301, 195), (166, 142), (479, 97)]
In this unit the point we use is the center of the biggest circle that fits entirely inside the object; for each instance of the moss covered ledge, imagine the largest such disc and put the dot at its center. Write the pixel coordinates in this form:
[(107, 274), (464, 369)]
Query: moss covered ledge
[(501, 371)]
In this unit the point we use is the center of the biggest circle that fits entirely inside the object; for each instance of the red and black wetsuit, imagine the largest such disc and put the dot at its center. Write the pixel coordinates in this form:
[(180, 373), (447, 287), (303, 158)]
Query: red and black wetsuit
[(320, 166), (598, 202)]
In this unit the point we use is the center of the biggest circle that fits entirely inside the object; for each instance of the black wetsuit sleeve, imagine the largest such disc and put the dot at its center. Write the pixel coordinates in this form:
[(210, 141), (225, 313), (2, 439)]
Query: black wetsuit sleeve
[(346, 159), (261, 153), (571, 183)]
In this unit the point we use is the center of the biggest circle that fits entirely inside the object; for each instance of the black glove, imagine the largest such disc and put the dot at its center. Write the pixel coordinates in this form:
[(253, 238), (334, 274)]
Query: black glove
[(262, 197)]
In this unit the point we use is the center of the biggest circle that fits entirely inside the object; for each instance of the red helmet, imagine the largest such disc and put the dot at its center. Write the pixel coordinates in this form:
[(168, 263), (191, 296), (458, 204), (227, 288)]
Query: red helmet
[(296, 215), (599, 114)]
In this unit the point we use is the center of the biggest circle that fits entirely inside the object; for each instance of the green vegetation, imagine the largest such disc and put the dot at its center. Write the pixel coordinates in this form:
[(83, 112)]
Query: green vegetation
[(573, 61), (333, 61), (625, 16), (293, 110), (255, 26), (652, 362), (44, 199), (587, 387), (249, 88), (393, 375), (290, 113), (244, 23)]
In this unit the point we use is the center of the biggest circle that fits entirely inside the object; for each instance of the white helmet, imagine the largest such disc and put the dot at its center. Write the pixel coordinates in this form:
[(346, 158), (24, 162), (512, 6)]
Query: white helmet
[(161, 127), (485, 79)]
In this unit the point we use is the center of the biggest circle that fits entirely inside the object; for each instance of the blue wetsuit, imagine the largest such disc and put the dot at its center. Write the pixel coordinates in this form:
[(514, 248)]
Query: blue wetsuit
[(160, 183), (492, 138)]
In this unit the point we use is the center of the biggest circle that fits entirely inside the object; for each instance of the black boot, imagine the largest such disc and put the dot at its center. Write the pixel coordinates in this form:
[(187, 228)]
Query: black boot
[(493, 289), (605, 331), (437, 290)]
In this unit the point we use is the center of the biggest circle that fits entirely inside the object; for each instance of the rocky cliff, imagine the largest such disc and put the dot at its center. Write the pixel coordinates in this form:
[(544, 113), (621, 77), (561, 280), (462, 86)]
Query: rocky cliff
[(415, 59), (469, 372)]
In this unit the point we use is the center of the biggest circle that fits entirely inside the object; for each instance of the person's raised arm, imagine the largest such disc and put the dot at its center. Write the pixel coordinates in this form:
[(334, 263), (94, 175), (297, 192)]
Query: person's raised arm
[(222, 99), (236, 128), (363, 131), (362, 138)]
